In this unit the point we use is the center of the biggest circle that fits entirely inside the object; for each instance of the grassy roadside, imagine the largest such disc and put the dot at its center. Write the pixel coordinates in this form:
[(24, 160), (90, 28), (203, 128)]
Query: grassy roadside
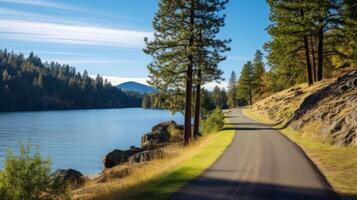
[(338, 164), (162, 178)]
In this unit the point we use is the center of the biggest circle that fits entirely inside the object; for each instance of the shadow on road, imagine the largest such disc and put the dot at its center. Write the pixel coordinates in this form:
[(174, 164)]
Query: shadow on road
[(212, 188), (253, 126)]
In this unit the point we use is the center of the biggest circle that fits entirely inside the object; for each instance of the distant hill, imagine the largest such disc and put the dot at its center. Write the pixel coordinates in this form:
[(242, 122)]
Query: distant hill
[(30, 84), (137, 87)]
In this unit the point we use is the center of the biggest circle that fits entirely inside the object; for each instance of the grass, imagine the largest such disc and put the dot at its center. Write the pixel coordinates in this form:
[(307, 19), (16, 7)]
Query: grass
[(161, 178), (338, 164)]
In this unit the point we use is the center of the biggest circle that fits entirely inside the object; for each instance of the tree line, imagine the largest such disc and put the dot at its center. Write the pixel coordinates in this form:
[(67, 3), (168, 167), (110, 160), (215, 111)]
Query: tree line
[(209, 100), (186, 54), (30, 84), (311, 40)]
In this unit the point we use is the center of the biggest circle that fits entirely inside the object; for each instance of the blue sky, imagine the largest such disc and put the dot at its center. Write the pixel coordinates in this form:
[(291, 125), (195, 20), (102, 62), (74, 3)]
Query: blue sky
[(106, 36)]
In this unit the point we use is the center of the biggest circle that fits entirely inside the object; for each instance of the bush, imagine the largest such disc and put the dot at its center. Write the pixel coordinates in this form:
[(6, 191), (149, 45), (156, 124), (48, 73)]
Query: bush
[(214, 122), (28, 177)]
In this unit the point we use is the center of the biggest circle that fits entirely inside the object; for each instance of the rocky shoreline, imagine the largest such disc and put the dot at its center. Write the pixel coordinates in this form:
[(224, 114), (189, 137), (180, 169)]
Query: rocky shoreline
[(118, 163)]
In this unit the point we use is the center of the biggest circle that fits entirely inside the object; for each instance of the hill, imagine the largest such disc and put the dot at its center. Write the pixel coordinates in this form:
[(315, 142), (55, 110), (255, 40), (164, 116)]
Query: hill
[(30, 84), (326, 111), (136, 87)]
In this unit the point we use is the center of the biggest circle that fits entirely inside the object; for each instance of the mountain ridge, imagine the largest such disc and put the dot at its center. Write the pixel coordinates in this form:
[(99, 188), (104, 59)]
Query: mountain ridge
[(136, 87)]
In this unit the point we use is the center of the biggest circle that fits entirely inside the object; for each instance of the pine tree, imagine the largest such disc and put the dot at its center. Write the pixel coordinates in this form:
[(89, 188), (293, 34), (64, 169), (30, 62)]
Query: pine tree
[(184, 40), (292, 25), (146, 102), (232, 90), (6, 76), (208, 53), (244, 89), (258, 83)]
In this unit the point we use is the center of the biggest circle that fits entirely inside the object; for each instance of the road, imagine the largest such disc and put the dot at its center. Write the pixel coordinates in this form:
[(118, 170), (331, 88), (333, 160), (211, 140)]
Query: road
[(259, 164)]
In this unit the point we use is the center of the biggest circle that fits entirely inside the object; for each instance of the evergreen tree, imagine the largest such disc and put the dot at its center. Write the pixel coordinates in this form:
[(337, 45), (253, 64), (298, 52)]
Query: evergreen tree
[(146, 102), (219, 97), (183, 41), (292, 25), (258, 76), (244, 89), (207, 104), (30, 84), (232, 90)]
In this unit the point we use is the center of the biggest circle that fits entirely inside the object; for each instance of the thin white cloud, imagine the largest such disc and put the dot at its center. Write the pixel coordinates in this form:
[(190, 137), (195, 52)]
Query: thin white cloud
[(211, 85), (42, 3), (40, 52), (86, 61), (71, 34)]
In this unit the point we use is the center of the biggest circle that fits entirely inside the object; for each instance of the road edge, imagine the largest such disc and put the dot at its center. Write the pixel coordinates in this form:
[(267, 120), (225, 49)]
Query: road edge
[(322, 177)]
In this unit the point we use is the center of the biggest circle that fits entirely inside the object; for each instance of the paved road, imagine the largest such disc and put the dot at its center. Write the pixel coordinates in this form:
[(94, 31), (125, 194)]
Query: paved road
[(259, 164)]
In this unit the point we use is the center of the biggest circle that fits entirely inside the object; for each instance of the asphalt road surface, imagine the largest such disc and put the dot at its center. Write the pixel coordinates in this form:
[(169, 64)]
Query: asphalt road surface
[(259, 164)]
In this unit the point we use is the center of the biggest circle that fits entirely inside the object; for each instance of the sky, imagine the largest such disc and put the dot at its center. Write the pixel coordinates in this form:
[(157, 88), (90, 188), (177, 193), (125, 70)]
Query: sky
[(106, 37)]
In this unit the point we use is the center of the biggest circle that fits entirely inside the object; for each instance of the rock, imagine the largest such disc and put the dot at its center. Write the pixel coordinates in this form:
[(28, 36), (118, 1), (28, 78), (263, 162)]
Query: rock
[(117, 157), (113, 174), (147, 156), (162, 134), (70, 176)]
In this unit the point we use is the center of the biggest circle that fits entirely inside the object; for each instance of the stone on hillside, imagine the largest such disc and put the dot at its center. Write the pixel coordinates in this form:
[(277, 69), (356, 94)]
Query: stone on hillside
[(147, 156), (71, 176), (161, 134), (113, 174), (117, 157)]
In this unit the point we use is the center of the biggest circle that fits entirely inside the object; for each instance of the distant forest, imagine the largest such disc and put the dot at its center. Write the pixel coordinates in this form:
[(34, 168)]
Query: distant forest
[(30, 84)]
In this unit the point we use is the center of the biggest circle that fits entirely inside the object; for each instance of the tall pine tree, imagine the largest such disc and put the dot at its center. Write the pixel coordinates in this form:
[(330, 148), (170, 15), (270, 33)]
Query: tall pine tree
[(244, 89), (185, 42), (232, 90)]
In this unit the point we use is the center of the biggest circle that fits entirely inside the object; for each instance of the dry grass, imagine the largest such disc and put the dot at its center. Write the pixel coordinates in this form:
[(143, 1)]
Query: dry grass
[(160, 178), (338, 164)]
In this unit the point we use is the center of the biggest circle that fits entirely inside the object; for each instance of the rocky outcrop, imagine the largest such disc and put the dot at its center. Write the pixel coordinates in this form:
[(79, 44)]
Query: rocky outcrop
[(118, 156), (119, 163), (113, 173), (69, 176), (161, 134), (147, 156), (328, 109)]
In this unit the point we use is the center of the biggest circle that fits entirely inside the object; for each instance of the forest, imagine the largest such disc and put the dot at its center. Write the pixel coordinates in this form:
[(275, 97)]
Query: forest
[(30, 84), (310, 41)]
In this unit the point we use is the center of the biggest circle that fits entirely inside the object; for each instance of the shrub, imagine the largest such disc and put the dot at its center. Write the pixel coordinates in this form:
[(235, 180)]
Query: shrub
[(28, 177), (214, 122)]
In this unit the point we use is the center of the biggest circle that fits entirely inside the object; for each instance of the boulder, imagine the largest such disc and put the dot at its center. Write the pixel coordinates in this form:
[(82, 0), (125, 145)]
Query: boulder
[(161, 134), (147, 156), (69, 176), (113, 174), (117, 156)]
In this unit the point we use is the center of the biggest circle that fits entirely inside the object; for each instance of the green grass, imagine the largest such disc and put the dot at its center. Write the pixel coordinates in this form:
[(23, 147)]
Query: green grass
[(159, 179), (165, 185), (338, 164)]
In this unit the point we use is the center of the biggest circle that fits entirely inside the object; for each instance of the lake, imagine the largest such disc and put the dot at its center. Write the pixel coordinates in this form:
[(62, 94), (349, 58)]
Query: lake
[(79, 139)]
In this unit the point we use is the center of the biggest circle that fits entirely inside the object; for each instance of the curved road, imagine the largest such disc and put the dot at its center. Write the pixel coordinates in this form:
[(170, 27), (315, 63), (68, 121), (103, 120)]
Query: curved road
[(259, 164)]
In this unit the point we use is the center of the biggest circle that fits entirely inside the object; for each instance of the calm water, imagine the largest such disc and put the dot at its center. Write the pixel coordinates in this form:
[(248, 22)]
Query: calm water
[(79, 138)]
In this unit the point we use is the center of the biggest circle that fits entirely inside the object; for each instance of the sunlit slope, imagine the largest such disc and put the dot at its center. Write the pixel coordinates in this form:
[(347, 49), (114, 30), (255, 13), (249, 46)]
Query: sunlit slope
[(326, 111)]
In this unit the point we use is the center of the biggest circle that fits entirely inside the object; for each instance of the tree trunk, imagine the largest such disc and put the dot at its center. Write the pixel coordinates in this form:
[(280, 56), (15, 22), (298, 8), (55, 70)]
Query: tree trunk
[(196, 126), (250, 97), (308, 63), (320, 53), (188, 104), (188, 96), (313, 59), (307, 55)]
